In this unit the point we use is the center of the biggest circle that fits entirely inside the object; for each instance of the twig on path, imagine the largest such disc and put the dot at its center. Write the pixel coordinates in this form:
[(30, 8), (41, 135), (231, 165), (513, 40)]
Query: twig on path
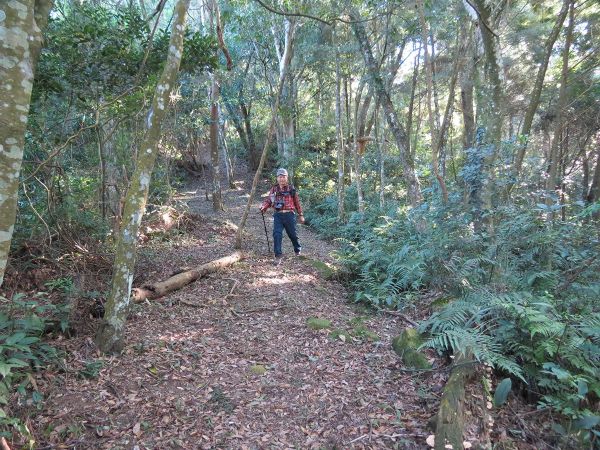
[(235, 283), (192, 304), (358, 438), (398, 314), (248, 311)]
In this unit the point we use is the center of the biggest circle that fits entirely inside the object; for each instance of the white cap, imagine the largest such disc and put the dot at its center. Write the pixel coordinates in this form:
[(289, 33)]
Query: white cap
[(282, 172)]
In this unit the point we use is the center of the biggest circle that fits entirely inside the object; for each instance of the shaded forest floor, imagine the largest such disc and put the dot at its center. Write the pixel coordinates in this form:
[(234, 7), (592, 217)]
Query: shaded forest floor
[(230, 362)]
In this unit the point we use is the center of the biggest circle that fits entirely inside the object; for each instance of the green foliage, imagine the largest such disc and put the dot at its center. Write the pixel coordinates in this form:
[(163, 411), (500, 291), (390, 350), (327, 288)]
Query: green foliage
[(22, 324), (316, 323), (526, 299), (91, 370)]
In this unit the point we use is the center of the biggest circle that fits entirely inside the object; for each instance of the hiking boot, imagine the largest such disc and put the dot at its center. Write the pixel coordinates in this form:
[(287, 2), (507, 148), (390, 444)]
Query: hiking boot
[(298, 253), (277, 260)]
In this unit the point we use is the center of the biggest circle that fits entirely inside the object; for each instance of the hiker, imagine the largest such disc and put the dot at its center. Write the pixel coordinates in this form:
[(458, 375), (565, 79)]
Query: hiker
[(283, 198)]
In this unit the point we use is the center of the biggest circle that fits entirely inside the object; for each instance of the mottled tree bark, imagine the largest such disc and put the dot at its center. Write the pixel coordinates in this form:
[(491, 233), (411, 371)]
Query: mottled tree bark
[(21, 25), (214, 145), (111, 332), (413, 185)]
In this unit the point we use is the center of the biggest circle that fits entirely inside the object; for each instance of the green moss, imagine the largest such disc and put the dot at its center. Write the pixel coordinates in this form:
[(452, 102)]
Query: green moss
[(406, 346), (314, 323), (415, 359), (341, 335), (364, 333), (258, 369)]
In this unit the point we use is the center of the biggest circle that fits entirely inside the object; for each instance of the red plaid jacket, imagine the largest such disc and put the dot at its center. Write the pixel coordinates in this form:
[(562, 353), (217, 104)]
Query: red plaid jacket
[(290, 202)]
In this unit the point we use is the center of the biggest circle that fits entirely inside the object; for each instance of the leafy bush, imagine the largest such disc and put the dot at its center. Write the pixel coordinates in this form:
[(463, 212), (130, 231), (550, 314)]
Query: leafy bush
[(22, 324)]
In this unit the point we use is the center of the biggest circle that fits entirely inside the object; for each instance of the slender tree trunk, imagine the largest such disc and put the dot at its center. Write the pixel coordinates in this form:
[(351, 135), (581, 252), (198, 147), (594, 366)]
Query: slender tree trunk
[(110, 174), (466, 103), (537, 87), (225, 154), (285, 115), (380, 138), (360, 116), (348, 127), (239, 127), (594, 192), (252, 147), (413, 185), (320, 100), (489, 115), (433, 129), (411, 104), (20, 47), (553, 159), (217, 197), (461, 47), (339, 136), (287, 56), (112, 329)]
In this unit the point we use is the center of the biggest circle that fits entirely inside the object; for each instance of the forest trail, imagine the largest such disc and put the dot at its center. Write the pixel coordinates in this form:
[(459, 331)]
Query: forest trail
[(229, 361)]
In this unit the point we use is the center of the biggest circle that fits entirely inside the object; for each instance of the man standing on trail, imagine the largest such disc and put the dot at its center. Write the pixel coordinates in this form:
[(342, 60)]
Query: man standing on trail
[(284, 199)]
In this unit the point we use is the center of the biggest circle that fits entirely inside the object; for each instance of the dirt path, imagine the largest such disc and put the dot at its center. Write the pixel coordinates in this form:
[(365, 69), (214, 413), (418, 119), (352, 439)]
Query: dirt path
[(229, 361)]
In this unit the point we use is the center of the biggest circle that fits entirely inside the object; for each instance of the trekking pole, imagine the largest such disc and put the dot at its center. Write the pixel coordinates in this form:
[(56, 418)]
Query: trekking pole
[(266, 232)]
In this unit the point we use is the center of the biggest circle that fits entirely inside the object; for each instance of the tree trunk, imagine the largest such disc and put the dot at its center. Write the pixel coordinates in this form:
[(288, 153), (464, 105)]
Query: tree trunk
[(594, 192), (553, 158), (238, 125), (19, 51), (411, 104), (217, 198), (433, 129), (413, 185), (285, 115), (360, 117), (489, 115), (380, 139), (537, 87), (111, 332), (110, 174), (286, 118), (466, 103), (287, 56), (225, 154), (339, 137), (252, 147)]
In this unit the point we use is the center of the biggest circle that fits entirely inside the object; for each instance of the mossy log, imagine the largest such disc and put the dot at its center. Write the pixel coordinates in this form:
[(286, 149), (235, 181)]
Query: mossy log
[(406, 347), (156, 290), (450, 417)]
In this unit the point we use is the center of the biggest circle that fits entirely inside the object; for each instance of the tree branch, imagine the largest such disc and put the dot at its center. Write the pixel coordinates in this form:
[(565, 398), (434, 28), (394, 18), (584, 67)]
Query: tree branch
[(480, 18)]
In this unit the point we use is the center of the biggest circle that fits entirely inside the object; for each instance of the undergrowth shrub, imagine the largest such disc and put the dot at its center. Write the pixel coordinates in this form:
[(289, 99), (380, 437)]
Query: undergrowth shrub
[(23, 322)]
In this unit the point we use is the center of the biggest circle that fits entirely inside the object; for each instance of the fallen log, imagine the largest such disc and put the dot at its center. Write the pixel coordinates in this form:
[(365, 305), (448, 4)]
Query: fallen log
[(450, 417), (157, 290)]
